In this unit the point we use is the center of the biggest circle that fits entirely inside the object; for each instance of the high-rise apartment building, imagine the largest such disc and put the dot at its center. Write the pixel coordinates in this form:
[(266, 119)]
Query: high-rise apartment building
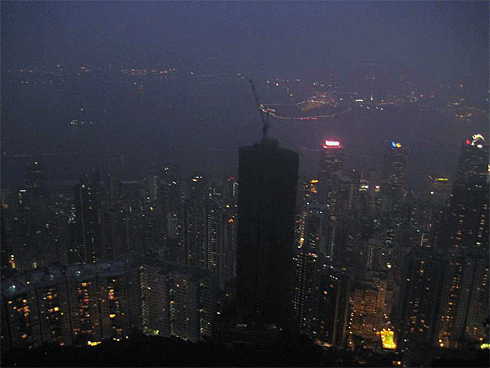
[(85, 222), (321, 299), (371, 306), (65, 305), (267, 178), (5, 251), (314, 236), (28, 243), (465, 299), (333, 309), (394, 175), (172, 300), (466, 288), (306, 290), (423, 276)]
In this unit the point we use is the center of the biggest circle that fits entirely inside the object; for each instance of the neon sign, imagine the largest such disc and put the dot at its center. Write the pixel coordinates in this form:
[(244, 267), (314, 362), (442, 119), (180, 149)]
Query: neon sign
[(331, 144), (396, 144)]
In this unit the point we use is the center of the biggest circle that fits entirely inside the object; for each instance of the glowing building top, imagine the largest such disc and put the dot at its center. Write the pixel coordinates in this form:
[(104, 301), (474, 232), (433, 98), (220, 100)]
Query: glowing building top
[(474, 158), (332, 158), (476, 140), (331, 144)]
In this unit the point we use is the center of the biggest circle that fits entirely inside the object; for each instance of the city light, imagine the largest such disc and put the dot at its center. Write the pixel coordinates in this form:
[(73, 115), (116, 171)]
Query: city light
[(96, 249), (322, 343), (387, 339), (330, 144), (477, 136)]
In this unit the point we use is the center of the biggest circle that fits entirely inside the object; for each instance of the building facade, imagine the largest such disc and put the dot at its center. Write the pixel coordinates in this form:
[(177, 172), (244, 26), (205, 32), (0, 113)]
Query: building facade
[(268, 178)]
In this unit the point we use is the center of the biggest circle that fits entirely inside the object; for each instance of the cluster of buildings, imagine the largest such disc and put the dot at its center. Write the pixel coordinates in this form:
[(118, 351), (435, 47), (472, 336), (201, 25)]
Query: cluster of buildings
[(351, 259), (414, 265), (168, 299), (174, 240), (80, 304)]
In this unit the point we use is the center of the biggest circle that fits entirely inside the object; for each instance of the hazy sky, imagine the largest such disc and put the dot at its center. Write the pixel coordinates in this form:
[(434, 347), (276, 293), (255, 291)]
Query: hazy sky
[(278, 37), (203, 125)]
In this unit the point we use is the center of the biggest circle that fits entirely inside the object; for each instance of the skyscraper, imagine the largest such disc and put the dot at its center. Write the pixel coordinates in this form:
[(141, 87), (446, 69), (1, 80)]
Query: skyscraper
[(86, 222), (466, 289), (394, 172), (421, 290), (5, 250), (469, 202), (306, 291), (266, 218), (332, 160), (465, 298), (34, 178), (172, 300)]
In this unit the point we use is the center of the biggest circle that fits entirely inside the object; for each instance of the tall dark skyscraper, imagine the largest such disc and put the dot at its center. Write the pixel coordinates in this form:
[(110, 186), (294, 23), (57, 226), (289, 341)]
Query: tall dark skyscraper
[(266, 218), (469, 202), (465, 303), (5, 250)]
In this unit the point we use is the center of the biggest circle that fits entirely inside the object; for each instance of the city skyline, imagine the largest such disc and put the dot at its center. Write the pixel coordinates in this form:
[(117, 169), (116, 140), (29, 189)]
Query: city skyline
[(328, 47), (276, 180)]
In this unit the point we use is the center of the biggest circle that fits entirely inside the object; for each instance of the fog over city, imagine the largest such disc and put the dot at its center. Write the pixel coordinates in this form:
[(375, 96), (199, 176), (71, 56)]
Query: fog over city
[(245, 183), (201, 114)]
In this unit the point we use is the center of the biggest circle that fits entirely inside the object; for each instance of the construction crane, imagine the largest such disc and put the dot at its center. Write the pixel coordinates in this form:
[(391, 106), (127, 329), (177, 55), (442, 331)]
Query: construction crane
[(265, 120)]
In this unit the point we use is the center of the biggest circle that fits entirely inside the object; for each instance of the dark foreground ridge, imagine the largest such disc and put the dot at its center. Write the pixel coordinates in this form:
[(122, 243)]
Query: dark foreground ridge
[(143, 351)]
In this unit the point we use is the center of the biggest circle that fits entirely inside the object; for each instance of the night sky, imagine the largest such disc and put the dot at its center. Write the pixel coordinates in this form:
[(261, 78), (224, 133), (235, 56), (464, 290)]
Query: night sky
[(438, 39), (278, 37)]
